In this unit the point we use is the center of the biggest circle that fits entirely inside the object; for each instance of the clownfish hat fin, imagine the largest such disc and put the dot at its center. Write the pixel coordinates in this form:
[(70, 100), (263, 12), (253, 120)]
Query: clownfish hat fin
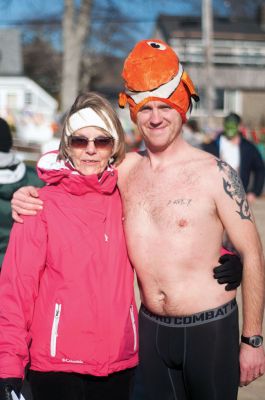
[(189, 84), (122, 99)]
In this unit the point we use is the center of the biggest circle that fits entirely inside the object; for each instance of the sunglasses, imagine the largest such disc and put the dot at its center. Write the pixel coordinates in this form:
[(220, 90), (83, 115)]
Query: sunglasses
[(100, 142)]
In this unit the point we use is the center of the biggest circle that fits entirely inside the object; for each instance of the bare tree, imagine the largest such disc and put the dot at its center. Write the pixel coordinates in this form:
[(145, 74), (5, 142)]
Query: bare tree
[(80, 41), (46, 74), (111, 32), (207, 29), (76, 26)]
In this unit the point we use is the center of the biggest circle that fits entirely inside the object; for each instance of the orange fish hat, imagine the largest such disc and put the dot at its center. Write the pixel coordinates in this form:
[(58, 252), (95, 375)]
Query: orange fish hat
[(152, 71)]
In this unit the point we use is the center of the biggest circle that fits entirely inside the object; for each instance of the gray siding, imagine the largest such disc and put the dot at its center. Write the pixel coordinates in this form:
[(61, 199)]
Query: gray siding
[(11, 62)]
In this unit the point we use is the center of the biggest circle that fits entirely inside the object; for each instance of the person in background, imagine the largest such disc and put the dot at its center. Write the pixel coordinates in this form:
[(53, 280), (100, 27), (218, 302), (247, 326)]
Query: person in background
[(191, 133), (54, 142), (67, 302), (241, 154), (261, 144), (13, 174), (134, 141)]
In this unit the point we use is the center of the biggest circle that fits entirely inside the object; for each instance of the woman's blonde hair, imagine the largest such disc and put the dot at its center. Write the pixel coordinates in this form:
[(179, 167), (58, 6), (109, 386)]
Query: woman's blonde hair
[(100, 105)]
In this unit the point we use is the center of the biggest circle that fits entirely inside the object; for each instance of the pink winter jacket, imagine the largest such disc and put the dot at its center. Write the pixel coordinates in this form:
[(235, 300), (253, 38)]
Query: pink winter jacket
[(66, 287)]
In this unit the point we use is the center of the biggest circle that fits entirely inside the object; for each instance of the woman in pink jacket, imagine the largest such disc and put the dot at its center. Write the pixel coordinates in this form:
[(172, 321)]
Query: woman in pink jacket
[(67, 305)]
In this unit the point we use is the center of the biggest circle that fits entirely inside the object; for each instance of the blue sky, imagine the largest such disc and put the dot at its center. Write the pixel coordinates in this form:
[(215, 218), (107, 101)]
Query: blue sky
[(144, 12), (11, 10)]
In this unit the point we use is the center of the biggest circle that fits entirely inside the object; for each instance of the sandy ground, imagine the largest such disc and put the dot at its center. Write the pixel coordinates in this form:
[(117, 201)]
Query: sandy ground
[(256, 390)]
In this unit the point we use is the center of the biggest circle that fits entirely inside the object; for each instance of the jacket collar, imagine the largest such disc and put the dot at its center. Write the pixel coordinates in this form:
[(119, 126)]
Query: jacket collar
[(55, 172)]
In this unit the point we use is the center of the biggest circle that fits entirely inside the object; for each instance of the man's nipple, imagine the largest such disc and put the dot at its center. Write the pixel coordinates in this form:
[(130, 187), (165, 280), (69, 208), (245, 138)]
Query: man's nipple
[(182, 223)]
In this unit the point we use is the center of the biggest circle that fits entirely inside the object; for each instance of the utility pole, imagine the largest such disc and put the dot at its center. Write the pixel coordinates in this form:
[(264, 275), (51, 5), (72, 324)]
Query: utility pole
[(207, 39)]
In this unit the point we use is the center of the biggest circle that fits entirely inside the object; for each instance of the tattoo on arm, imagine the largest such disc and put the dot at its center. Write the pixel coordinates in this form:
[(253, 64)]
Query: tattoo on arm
[(233, 187)]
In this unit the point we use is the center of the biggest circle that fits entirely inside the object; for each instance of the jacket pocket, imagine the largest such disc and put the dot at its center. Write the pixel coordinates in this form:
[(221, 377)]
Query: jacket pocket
[(133, 328), (54, 333)]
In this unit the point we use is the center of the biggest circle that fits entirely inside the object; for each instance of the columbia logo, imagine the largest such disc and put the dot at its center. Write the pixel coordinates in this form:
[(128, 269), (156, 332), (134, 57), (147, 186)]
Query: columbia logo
[(66, 360)]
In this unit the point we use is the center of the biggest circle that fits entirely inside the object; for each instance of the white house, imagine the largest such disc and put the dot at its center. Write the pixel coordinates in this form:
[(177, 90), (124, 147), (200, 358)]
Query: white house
[(31, 108), (22, 101)]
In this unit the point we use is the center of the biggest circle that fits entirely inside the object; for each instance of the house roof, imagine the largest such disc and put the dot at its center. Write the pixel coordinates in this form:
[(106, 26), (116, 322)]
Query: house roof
[(23, 84), (223, 27), (10, 53)]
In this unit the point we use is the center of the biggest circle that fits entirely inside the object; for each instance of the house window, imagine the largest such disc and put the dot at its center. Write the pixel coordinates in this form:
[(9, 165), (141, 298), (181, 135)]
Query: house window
[(230, 100), (219, 99), (28, 98), (11, 100), (201, 104)]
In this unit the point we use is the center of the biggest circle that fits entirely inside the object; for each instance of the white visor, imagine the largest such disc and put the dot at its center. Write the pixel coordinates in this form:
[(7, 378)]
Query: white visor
[(88, 117)]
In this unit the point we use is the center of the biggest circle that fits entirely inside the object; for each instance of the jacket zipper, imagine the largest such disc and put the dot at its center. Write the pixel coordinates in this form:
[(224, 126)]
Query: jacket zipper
[(134, 328), (54, 334)]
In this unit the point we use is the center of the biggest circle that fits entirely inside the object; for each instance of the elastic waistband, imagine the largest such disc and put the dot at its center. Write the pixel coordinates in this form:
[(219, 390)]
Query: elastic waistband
[(199, 318)]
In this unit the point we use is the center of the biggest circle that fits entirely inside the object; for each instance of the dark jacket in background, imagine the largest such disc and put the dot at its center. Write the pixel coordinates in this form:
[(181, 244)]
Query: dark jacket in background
[(251, 164), (6, 192)]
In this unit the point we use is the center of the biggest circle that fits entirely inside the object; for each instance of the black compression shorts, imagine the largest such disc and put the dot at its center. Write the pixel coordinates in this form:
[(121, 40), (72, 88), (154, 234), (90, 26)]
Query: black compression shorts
[(195, 357)]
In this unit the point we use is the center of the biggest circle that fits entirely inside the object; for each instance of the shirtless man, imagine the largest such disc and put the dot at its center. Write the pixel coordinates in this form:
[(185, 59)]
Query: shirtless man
[(176, 209), (177, 202)]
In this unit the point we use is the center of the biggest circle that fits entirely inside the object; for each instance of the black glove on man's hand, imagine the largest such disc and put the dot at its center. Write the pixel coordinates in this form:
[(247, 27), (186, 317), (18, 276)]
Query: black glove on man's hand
[(9, 384), (230, 271)]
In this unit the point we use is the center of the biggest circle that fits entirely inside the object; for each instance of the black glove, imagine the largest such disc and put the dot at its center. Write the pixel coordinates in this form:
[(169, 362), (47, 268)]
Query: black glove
[(9, 384), (230, 271)]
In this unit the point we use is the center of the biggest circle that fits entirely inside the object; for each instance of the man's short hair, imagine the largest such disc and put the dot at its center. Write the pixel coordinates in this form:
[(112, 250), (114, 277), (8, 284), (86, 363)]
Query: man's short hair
[(233, 117)]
